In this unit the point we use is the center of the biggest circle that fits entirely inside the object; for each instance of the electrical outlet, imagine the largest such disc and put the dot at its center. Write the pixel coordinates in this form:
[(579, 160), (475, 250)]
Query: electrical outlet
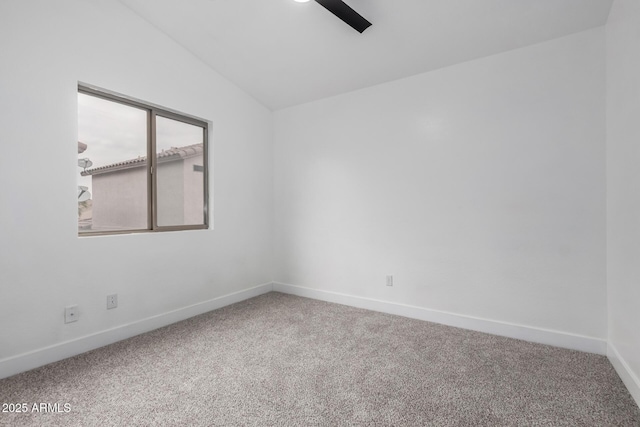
[(112, 301), (389, 280), (71, 314)]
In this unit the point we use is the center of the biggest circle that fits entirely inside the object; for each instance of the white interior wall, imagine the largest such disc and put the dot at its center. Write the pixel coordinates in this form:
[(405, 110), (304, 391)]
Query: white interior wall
[(623, 190), (480, 187), (46, 48)]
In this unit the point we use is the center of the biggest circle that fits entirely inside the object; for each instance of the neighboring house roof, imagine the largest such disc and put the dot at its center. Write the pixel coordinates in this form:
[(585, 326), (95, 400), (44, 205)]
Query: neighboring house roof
[(172, 154), (81, 147)]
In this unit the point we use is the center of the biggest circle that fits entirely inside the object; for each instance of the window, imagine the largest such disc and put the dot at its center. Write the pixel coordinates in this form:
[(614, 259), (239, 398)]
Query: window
[(119, 189)]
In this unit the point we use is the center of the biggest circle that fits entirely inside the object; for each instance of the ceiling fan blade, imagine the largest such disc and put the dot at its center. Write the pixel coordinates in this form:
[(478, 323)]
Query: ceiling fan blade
[(348, 15)]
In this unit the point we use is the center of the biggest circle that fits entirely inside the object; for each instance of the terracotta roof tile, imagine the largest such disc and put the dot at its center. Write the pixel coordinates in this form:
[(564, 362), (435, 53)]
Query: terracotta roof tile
[(174, 153)]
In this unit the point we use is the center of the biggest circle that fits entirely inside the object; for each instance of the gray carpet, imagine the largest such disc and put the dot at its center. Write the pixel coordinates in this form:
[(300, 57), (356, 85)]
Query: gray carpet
[(281, 360)]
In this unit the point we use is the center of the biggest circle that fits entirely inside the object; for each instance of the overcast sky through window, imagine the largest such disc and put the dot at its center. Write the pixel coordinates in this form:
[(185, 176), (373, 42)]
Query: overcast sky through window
[(116, 132)]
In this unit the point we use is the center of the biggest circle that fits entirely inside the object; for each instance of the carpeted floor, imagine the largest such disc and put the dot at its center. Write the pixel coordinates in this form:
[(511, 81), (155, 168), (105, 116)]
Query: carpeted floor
[(281, 360)]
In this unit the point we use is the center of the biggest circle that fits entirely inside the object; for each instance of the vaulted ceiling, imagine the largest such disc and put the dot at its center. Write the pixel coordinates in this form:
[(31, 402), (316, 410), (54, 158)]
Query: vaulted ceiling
[(285, 53)]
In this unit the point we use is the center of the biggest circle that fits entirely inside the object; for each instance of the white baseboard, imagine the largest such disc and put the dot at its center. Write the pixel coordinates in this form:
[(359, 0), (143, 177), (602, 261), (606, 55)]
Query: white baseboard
[(526, 333), (33, 359), (625, 372)]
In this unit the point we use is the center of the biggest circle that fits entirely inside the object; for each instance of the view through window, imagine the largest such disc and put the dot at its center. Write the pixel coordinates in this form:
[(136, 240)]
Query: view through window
[(119, 190)]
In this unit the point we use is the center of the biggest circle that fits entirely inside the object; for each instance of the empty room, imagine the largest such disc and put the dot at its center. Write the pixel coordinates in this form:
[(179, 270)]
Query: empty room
[(320, 213)]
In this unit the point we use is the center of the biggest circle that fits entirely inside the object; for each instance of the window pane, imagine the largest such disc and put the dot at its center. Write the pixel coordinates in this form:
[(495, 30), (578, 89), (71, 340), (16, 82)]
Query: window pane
[(180, 173), (112, 166)]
